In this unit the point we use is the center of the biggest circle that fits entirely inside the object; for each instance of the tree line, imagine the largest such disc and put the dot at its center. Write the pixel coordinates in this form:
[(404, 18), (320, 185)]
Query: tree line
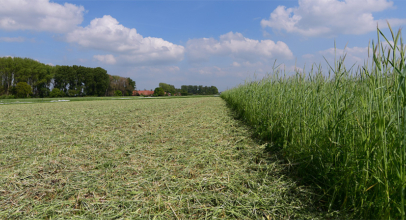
[(185, 90), (200, 90), (25, 77)]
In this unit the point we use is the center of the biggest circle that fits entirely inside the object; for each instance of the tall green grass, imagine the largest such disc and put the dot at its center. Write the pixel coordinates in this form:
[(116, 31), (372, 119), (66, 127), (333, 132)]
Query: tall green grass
[(345, 131)]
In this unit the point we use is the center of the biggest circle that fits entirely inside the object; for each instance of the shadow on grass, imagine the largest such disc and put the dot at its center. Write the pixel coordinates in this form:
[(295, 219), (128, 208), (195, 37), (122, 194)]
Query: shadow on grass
[(309, 195)]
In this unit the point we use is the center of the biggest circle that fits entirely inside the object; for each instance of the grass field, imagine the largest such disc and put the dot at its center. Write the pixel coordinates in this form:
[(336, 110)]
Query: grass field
[(155, 158), (76, 99)]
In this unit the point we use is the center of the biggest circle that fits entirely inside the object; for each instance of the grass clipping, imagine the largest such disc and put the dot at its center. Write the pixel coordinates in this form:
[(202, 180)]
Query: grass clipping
[(165, 158)]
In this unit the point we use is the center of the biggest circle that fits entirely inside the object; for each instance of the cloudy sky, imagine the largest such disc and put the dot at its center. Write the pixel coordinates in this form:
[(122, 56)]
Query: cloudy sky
[(190, 42)]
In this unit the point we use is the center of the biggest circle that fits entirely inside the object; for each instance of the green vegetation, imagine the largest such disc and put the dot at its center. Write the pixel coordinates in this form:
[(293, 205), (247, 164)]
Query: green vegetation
[(72, 81), (14, 70), (345, 133), (159, 91), (118, 93), (189, 90), (168, 88), (200, 90), (56, 93), (125, 85), (7, 97), (13, 100), (23, 90), (163, 158)]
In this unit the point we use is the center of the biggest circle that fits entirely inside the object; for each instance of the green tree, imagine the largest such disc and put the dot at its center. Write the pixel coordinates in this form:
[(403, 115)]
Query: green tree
[(56, 93), (118, 93), (62, 76), (214, 90), (183, 92), (168, 88), (131, 86), (102, 81), (203, 90), (96, 82), (159, 91), (125, 85), (23, 90)]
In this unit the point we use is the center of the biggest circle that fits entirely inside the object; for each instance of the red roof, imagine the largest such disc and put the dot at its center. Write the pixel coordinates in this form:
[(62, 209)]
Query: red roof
[(143, 92)]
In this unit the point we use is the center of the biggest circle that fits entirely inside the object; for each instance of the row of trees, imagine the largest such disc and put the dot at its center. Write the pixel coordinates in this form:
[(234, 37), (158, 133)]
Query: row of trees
[(15, 70), (200, 90), (81, 81), (185, 90), (49, 81)]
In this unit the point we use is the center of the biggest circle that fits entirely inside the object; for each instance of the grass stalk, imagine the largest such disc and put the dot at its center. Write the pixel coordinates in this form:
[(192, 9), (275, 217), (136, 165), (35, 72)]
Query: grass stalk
[(346, 130)]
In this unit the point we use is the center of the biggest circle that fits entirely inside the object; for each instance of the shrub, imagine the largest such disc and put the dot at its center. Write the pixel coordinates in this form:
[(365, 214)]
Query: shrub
[(7, 96), (73, 92), (118, 93), (23, 90), (56, 93)]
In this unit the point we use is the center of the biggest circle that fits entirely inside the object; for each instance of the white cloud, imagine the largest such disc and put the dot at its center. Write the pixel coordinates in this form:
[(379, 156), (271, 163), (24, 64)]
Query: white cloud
[(12, 39), (266, 34), (308, 56), (237, 46), (157, 70), (330, 17), (210, 71), (251, 64), (39, 15), (236, 64), (108, 35), (108, 59)]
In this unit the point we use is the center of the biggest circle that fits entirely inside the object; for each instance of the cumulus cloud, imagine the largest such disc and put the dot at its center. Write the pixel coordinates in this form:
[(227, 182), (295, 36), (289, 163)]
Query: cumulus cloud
[(108, 59), (12, 39), (39, 15), (330, 17), (252, 64), (210, 71), (237, 46), (236, 64), (308, 56), (164, 69), (108, 35)]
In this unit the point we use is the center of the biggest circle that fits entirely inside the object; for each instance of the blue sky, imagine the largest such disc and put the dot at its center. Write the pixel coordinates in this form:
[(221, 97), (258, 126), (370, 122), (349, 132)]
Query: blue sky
[(219, 43)]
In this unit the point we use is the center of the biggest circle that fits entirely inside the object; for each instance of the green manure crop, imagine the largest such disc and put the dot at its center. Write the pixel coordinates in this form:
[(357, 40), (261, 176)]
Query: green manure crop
[(345, 132)]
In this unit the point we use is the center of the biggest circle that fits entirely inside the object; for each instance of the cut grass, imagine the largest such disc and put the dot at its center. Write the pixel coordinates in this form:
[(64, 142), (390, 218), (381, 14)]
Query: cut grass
[(157, 158), (75, 99)]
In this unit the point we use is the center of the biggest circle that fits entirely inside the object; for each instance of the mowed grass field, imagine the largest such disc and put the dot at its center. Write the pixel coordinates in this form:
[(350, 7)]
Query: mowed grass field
[(151, 159)]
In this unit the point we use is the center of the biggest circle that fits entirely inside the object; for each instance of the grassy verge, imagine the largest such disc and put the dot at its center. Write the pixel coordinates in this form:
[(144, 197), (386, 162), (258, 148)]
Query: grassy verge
[(345, 133), (156, 158)]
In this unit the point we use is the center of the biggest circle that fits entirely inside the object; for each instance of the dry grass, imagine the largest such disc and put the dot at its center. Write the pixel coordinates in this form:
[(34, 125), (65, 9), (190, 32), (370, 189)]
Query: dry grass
[(162, 158)]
